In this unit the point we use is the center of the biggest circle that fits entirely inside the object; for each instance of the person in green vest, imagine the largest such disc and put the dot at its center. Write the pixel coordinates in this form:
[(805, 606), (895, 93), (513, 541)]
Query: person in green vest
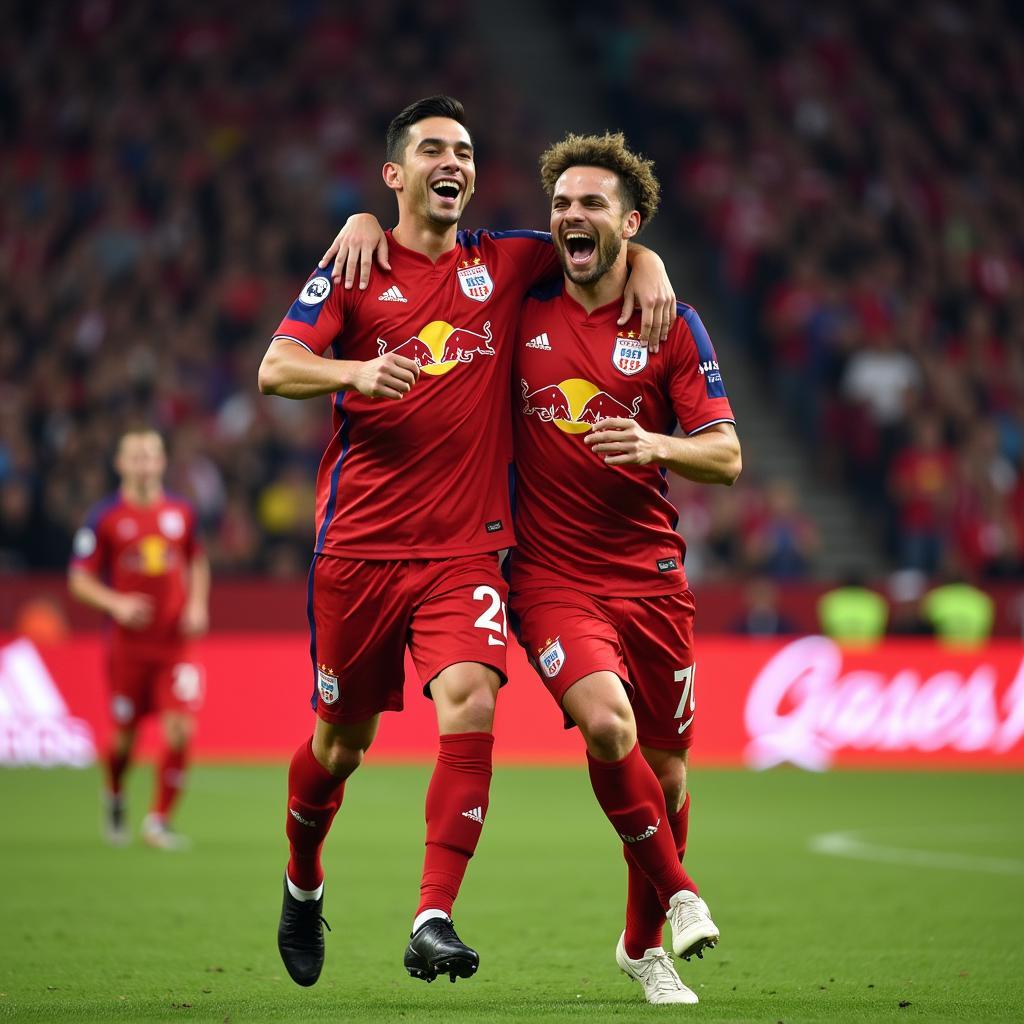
[(960, 613), (853, 614)]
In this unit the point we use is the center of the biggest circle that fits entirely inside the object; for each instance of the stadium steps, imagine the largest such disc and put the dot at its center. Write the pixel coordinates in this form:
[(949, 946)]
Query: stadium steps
[(770, 449)]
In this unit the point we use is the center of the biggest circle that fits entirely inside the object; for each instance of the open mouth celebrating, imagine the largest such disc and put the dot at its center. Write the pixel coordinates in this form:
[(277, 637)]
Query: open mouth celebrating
[(579, 245), (447, 188)]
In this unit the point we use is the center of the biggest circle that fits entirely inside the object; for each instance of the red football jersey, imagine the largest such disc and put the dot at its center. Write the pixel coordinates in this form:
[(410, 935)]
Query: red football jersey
[(579, 522), (145, 549), (426, 476)]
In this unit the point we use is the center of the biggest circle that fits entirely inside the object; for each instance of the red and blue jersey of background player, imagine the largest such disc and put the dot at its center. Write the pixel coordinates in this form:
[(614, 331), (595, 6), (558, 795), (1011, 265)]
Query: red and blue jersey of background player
[(144, 549), (426, 476)]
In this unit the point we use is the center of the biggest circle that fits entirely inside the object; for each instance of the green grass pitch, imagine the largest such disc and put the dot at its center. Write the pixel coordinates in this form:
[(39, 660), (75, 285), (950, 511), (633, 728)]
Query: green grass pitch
[(934, 920)]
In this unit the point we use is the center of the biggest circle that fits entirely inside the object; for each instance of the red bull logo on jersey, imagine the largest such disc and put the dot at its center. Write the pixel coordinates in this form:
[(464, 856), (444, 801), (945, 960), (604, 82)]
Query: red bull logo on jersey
[(628, 355), (439, 347), (475, 280), (575, 405)]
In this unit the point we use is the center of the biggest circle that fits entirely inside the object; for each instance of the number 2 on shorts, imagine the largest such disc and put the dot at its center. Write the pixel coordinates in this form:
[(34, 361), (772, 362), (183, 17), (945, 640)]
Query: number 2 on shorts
[(487, 619)]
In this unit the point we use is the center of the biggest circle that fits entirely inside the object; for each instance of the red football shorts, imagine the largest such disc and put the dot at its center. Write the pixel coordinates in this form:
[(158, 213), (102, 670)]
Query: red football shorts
[(646, 641), (143, 684), (363, 614)]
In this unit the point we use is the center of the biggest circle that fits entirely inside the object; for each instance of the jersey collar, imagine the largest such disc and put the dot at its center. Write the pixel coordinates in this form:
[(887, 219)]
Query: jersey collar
[(443, 264), (601, 316)]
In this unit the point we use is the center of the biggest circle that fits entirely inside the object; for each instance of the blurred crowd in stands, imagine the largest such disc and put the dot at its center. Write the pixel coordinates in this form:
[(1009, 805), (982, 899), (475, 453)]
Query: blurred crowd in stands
[(851, 173), (166, 186)]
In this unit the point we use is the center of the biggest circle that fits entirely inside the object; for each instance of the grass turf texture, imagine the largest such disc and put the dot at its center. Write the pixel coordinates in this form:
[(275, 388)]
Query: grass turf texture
[(90, 933)]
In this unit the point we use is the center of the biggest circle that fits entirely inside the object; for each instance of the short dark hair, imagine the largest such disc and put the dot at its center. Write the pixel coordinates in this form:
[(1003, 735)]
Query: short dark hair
[(638, 187), (432, 106)]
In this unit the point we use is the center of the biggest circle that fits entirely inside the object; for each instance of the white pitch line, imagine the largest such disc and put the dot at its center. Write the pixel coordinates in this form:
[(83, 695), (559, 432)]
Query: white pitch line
[(849, 844)]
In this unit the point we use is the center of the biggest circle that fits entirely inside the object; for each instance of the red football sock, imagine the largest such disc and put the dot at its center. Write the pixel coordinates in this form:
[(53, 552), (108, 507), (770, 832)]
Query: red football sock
[(645, 917), (116, 765), (314, 796), (631, 797), (455, 809), (170, 780)]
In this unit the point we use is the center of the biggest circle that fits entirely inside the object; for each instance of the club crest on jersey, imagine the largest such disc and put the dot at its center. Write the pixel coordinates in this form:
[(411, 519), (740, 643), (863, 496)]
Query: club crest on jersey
[(171, 523), (317, 289), (327, 684), (628, 355), (552, 658), (474, 280)]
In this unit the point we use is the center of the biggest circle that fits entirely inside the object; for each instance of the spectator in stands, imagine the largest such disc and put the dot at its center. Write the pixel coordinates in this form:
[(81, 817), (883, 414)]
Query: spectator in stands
[(761, 616), (783, 542)]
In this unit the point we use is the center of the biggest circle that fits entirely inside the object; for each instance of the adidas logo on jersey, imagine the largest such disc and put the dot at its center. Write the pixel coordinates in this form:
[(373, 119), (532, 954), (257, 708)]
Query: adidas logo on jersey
[(475, 814), (541, 342), (392, 295)]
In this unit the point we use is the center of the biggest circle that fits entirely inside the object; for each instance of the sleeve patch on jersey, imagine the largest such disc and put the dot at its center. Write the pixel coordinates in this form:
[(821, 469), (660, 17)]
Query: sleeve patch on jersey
[(84, 543), (317, 289), (707, 361), (306, 308)]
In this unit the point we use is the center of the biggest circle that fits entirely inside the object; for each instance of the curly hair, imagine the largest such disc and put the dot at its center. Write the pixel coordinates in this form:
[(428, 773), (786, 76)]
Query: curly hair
[(638, 187)]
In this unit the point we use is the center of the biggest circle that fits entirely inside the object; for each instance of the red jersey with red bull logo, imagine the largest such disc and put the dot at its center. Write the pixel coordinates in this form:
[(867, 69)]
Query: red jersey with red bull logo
[(145, 549), (581, 523), (426, 476)]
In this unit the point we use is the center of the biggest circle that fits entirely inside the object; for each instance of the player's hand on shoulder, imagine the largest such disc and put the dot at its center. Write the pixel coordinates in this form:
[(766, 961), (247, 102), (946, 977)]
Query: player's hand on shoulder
[(649, 288), (622, 442), (353, 250), (195, 620), (387, 376), (133, 610)]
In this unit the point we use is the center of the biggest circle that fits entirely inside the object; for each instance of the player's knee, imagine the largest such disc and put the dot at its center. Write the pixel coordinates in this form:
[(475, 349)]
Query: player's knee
[(178, 731), (473, 711), (466, 703), (339, 759), (609, 731)]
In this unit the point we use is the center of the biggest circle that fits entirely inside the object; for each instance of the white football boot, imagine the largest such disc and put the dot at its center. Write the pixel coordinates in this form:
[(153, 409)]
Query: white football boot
[(693, 931), (656, 974), (155, 833)]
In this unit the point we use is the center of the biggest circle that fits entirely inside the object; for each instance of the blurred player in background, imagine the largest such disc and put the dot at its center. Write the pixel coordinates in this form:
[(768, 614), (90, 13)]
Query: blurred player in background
[(138, 560), (599, 596), (412, 506)]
